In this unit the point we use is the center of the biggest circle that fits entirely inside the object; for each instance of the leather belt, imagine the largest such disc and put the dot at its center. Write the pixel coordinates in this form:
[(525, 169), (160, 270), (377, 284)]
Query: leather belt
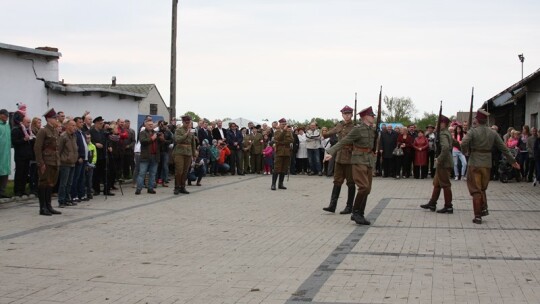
[(362, 149)]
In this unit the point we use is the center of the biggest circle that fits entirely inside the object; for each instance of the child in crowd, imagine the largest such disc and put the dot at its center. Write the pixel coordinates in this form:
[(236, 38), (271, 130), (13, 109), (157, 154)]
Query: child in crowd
[(92, 159), (268, 154)]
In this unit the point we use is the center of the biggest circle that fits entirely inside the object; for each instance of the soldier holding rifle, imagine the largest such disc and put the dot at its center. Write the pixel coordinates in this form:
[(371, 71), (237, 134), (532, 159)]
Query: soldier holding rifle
[(361, 137), (443, 164)]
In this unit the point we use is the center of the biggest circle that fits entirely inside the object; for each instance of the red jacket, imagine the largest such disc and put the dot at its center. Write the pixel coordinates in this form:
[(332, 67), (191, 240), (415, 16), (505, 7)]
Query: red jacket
[(421, 147), (223, 153)]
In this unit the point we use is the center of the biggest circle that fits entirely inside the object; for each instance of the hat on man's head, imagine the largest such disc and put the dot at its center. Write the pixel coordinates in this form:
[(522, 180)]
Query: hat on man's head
[(430, 126), (98, 119), (4, 112), (51, 113), (445, 119), (366, 111), (283, 120), (481, 114), (347, 109), (185, 118), (257, 127)]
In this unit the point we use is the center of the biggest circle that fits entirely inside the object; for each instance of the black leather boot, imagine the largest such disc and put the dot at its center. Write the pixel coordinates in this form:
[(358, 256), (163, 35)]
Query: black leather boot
[(274, 179), (42, 203), (48, 202), (281, 179), (351, 191), (359, 218), (183, 190), (333, 199)]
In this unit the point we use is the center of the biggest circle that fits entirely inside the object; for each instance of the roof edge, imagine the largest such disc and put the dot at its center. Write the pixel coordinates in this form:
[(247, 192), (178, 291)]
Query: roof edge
[(22, 49)]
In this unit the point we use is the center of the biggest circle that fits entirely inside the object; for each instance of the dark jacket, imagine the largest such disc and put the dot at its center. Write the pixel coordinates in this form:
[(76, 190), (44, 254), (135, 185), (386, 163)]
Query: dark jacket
[(235, 138), (149, 147), (203, 134), (388, 143), (80, 144), (23, 148), (98, 138), (217, 135)]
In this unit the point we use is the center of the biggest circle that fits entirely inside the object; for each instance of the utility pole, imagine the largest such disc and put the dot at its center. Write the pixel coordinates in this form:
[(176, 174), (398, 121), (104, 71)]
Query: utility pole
[(172, 102)]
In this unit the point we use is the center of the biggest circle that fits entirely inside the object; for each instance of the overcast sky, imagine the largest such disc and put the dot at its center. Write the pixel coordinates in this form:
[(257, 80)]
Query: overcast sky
[(289, 58)]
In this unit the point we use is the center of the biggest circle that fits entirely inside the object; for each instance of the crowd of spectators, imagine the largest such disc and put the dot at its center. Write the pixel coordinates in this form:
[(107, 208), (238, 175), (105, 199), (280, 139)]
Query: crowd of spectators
[(97, 156)]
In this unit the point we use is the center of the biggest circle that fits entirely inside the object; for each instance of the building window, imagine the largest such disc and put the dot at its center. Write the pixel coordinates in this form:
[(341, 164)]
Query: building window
[(153, 109), (534, 121)]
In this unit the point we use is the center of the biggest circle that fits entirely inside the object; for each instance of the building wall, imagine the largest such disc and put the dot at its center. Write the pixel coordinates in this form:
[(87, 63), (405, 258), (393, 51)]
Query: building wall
[(533, 104), (109, 107), (18, 82), (154, 98)]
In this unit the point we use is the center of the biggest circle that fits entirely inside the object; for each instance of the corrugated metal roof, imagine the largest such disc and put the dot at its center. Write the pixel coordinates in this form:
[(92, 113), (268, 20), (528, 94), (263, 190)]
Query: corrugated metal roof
[(24, 50), (70, 88), (143, 89), (512, 92)]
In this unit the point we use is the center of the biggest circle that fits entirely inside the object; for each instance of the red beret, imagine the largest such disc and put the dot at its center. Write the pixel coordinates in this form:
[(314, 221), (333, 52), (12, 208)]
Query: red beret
[(186, 118), (366, 111), (445, 119), (283, 120)]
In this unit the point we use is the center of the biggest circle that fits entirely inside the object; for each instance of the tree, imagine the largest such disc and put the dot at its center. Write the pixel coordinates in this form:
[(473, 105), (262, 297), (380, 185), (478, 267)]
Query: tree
[(398, 109), (427, 119)]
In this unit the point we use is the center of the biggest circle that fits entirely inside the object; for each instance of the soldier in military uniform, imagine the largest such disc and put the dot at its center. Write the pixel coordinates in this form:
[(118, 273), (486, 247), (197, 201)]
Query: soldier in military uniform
[(47, 159), (257, 145), (478, 143), (443, 164), (342, 166), (184, 152), (283, 139), (361, 138)]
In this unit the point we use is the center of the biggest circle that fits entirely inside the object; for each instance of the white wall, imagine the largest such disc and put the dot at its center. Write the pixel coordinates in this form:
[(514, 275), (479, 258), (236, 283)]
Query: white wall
[(109, 107), (18, 82), (154, 97), (533, 102)]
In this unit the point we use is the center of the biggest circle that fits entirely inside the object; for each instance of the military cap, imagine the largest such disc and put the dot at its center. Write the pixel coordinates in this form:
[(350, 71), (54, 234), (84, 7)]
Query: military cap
[(283, 120), (445, 119), (257, 127), (430, 126), (347, 109), (97, 119), (481, 114), (366, 111), (51, 113), (185, 118)]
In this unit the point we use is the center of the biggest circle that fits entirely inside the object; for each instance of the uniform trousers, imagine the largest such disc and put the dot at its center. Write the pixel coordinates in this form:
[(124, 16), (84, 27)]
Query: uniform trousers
[(342, 172), (281, 164), (363, 176), (477, 182), (182, 164)]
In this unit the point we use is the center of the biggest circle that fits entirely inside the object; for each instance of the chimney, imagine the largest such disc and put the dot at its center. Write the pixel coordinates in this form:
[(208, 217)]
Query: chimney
[(114, 81)]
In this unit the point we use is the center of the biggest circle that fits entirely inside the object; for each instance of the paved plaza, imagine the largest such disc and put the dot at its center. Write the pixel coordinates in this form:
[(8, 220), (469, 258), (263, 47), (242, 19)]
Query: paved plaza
[(233, 240)]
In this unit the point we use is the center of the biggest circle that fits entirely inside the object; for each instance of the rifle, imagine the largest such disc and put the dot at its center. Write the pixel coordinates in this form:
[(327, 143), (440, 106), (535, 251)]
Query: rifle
[(438, 134), (355, 108), (470, 111), (378, 125)]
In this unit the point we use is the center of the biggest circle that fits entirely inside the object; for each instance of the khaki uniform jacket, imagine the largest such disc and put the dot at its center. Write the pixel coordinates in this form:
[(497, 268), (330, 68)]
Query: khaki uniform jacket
[(283, 141), (46, 146), (247, 143), (184, 142), (68, 150), (256, 143), (478, 143), (361, 137), (343, 156), (445, 160)]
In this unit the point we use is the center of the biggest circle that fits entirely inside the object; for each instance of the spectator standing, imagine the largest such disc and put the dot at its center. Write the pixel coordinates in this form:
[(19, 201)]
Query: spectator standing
[(313, 143), (99, 139), (523, 155), (235, 142), (405, 141), (530, 149), (247, 143), (36, 126), (5, 152), (67, 152), (149, 157), (421, 147), (90, 165), (458, 156), (163, 169), (268, 154), (302, 154), (537, 158), (78, 186), (218, 132), (21, 138), (430, 136), (387, 143)]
